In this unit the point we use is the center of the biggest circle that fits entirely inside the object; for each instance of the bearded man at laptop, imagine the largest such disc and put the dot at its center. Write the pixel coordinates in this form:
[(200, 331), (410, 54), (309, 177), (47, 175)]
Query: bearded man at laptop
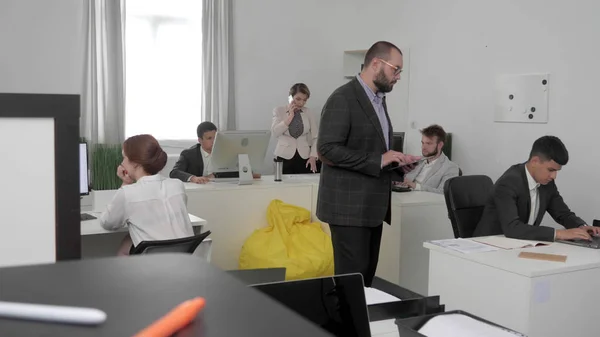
[(525, 192), (431, 175)]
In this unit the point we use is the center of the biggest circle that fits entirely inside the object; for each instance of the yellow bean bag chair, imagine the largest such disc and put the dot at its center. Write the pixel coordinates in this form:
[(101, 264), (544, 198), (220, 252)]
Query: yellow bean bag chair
[(290, 241)]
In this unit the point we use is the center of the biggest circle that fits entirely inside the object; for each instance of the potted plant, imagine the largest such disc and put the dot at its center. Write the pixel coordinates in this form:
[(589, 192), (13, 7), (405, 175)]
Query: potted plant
[(104, 181)]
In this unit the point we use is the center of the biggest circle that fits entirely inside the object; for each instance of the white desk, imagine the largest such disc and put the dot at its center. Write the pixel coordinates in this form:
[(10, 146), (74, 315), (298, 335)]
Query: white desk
[(99, 242), (93, 227), (234, 212), (537, 298), (416, 217)]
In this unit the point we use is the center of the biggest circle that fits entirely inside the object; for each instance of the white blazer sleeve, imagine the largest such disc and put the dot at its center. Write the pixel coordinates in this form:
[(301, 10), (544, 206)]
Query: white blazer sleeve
[(314, 131), (113, 217), (278, 127)]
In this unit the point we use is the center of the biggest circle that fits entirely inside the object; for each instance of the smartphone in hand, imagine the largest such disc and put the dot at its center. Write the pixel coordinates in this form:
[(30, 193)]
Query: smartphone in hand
[(407, 165)]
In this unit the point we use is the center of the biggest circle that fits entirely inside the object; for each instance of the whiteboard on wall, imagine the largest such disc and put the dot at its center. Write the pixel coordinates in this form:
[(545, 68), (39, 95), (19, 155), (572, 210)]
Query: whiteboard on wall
[(27, 219)]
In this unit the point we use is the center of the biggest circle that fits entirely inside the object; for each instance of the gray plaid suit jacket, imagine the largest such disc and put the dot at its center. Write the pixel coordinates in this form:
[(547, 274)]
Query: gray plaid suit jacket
[(353, 190)]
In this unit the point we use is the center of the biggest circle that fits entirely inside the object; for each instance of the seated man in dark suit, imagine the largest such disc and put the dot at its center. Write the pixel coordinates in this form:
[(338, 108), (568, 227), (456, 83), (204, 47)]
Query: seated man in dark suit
[(525, 192), (192, 165)]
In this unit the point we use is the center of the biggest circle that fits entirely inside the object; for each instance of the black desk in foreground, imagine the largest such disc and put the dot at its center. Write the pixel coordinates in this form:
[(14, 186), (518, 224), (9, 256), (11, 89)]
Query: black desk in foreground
[(135, 291)]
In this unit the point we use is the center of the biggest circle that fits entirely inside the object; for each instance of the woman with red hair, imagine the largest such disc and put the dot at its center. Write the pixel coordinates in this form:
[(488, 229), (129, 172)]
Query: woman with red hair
[(151, 206)]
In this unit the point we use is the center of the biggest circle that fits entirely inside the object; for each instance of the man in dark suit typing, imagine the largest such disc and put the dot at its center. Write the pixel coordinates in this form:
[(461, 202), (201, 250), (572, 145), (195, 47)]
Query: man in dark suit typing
[(525, 192), (192, 165), (353, 144)]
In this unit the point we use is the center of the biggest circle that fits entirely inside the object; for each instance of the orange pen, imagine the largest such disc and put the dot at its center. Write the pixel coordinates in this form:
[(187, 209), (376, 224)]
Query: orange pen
[(174, 320)]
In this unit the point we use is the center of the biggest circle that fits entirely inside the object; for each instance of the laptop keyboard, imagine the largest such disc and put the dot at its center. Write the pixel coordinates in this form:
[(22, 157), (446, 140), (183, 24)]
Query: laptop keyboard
[(595, 243)]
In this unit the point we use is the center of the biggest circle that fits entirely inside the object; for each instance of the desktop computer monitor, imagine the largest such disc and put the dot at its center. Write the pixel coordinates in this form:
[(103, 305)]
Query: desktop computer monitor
[(84, 184), (232, 146), (398, 141)]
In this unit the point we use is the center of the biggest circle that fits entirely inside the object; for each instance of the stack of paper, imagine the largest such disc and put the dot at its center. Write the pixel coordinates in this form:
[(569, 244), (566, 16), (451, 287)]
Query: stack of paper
[(385, 328), (507, 243), (464, 245), (375, 296), (457, 325)]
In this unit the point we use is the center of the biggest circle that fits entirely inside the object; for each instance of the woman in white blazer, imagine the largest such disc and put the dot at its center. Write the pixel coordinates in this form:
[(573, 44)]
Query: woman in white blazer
[(296, 131)]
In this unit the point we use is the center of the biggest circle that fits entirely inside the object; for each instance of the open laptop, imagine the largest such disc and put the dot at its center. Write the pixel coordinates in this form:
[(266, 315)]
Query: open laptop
[(595, 243), (335, 303)]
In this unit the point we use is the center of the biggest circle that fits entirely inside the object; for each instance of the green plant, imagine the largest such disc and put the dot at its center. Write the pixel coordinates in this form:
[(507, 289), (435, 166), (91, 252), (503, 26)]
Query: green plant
[(105, 159)]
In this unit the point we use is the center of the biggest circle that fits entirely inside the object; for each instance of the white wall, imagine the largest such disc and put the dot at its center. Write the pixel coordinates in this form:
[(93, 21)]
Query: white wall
[(280, 42), (457, 49), (42, 46)]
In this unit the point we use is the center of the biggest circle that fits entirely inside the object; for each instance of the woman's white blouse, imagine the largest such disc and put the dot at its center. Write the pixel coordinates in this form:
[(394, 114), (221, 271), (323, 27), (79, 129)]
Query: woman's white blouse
[(154, 208)]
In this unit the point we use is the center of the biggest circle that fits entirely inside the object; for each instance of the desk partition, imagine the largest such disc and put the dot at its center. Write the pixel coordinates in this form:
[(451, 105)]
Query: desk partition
[(39, 194)]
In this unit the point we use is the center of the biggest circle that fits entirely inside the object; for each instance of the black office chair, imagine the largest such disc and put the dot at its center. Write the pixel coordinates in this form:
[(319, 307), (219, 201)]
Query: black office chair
[(183, 245), (466, 197)]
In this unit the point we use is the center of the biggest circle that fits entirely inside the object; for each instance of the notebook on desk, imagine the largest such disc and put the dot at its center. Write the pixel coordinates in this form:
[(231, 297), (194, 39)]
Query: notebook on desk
[(508, 243)]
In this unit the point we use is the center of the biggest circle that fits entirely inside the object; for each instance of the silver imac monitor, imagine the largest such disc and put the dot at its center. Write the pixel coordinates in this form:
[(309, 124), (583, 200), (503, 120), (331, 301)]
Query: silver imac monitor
[(84, 184), (239, 151)]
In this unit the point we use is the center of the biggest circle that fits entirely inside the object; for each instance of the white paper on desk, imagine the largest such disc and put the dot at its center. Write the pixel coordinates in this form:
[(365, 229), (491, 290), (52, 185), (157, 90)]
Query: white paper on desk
[(464, 245), (457, 325), (376, 296), (385, 328), (508, 243)]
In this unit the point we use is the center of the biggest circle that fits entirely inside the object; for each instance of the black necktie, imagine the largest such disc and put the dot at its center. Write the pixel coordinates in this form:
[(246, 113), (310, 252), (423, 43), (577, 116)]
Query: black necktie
[(296, 126)]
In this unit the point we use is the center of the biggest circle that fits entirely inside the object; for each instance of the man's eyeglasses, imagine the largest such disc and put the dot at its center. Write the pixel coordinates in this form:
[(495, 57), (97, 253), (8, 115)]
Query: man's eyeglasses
[(397, 70)]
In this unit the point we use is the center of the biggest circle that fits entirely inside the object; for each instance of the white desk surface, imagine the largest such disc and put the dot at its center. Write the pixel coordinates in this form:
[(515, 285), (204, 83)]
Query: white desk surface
[(578, 258), (92, 227), (406, 198), (264, 182)]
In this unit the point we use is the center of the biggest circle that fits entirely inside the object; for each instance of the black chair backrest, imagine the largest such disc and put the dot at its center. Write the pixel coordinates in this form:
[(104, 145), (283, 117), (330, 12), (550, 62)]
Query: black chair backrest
[(466, 197), (182, 245)]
